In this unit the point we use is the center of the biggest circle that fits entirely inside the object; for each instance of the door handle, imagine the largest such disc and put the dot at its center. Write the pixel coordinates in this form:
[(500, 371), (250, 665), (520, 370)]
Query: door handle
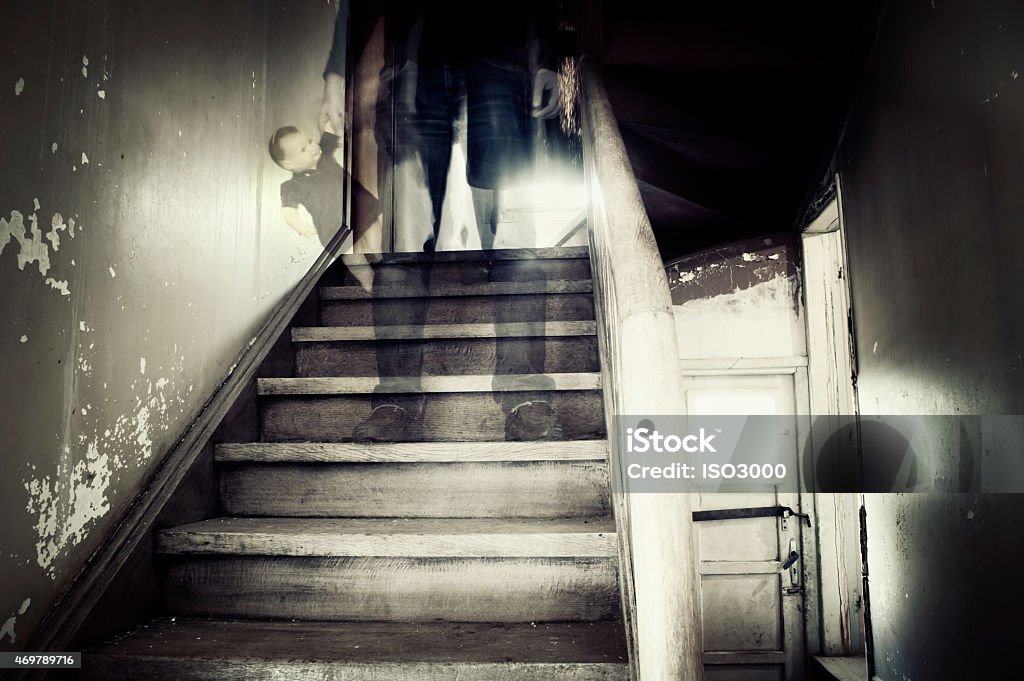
[(790, 563)]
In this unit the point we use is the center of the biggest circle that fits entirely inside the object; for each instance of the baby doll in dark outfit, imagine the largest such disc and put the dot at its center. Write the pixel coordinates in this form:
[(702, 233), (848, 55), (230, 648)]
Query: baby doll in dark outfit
[(311, 201)]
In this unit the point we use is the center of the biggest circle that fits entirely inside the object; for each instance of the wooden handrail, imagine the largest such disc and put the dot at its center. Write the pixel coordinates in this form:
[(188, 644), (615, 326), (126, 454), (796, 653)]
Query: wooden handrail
[(641, 375)]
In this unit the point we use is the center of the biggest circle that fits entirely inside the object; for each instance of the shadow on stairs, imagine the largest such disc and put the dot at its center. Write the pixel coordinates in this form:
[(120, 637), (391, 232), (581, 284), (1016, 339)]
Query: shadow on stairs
[(449, 553)]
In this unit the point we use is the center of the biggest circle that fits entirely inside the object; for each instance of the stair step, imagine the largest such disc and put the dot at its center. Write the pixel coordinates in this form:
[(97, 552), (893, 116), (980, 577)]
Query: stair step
[(417, 289), (476, 308), (411, 452), (461, 271), (397, 537), (225, 650), (529, 489), (365, 385), (465, 416), (320, 334), (448, 349), (467, 256), (394, 589)]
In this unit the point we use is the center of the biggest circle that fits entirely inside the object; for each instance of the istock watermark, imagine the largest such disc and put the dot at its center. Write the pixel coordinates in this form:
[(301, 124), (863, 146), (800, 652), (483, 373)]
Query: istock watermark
[(643, 440), (874, 454)]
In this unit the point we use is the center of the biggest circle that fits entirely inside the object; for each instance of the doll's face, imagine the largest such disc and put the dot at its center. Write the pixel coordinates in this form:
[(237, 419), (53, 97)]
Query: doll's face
[(300, 152)]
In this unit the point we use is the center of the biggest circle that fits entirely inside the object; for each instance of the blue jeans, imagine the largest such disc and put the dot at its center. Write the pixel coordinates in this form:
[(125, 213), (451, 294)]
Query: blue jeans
[(496, 97)]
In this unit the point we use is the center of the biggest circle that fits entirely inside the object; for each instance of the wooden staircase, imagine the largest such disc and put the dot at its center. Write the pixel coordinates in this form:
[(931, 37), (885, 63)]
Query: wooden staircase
[(452, 554)]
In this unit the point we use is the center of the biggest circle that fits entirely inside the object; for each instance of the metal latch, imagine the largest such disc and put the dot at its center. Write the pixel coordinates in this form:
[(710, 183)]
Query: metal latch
[(755, 512)]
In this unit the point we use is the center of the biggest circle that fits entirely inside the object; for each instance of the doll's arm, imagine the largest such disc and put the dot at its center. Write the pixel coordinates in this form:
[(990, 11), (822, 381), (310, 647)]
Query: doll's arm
[(299, 220)]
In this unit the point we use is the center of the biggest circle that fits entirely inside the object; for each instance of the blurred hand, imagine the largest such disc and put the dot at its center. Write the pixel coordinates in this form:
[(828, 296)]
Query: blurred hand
[(333, 106), (546, 81)]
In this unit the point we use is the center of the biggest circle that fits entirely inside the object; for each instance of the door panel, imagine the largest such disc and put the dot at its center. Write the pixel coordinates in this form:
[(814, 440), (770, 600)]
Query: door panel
[(752, 622), (741, 612)]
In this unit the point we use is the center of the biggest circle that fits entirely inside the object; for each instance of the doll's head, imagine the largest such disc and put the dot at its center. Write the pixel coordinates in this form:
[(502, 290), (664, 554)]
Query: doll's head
[(293, 150)]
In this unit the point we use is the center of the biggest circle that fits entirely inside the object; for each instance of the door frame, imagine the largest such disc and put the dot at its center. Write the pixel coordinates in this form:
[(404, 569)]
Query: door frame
[(831, 391)]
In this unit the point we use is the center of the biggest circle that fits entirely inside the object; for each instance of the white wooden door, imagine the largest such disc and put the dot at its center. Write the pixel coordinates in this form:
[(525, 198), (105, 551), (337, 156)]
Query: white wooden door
[(752, 608)]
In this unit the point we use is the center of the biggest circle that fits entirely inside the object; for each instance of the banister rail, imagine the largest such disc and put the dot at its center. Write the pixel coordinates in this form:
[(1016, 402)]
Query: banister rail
[(640, 374)]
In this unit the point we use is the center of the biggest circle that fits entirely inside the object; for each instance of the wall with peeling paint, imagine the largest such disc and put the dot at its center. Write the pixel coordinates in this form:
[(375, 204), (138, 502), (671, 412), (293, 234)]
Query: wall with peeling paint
[(720, 294), (932, 167), (141, 246)]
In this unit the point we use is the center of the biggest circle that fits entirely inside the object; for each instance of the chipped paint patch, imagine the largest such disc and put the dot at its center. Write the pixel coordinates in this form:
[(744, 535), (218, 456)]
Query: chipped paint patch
[(19, 87), (32, 247), (724, 270), (102, 94), (85, 159), (142, 365), (57, 226), (53, 148), (8, 628), (66, 505), (112, 272), (24, 339), (34, 250), (61, 286), (142, 431)]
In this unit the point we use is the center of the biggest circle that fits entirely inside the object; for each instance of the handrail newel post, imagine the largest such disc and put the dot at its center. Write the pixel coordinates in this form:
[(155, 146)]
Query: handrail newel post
[(639, 367)]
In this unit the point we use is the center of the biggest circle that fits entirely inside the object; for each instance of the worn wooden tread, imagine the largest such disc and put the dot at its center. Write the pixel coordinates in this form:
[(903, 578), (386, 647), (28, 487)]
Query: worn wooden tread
[(451, 289), (409, 537), (431, 331), (363, 651), (393, 588), (411, 452), (360, 385), (462, 416), (472, 309), (519, 489), (462, 256)]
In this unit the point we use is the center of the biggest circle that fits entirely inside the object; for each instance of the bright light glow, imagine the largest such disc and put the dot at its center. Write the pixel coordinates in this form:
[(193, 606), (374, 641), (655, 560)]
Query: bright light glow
[(548, 191), (538, 212)]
